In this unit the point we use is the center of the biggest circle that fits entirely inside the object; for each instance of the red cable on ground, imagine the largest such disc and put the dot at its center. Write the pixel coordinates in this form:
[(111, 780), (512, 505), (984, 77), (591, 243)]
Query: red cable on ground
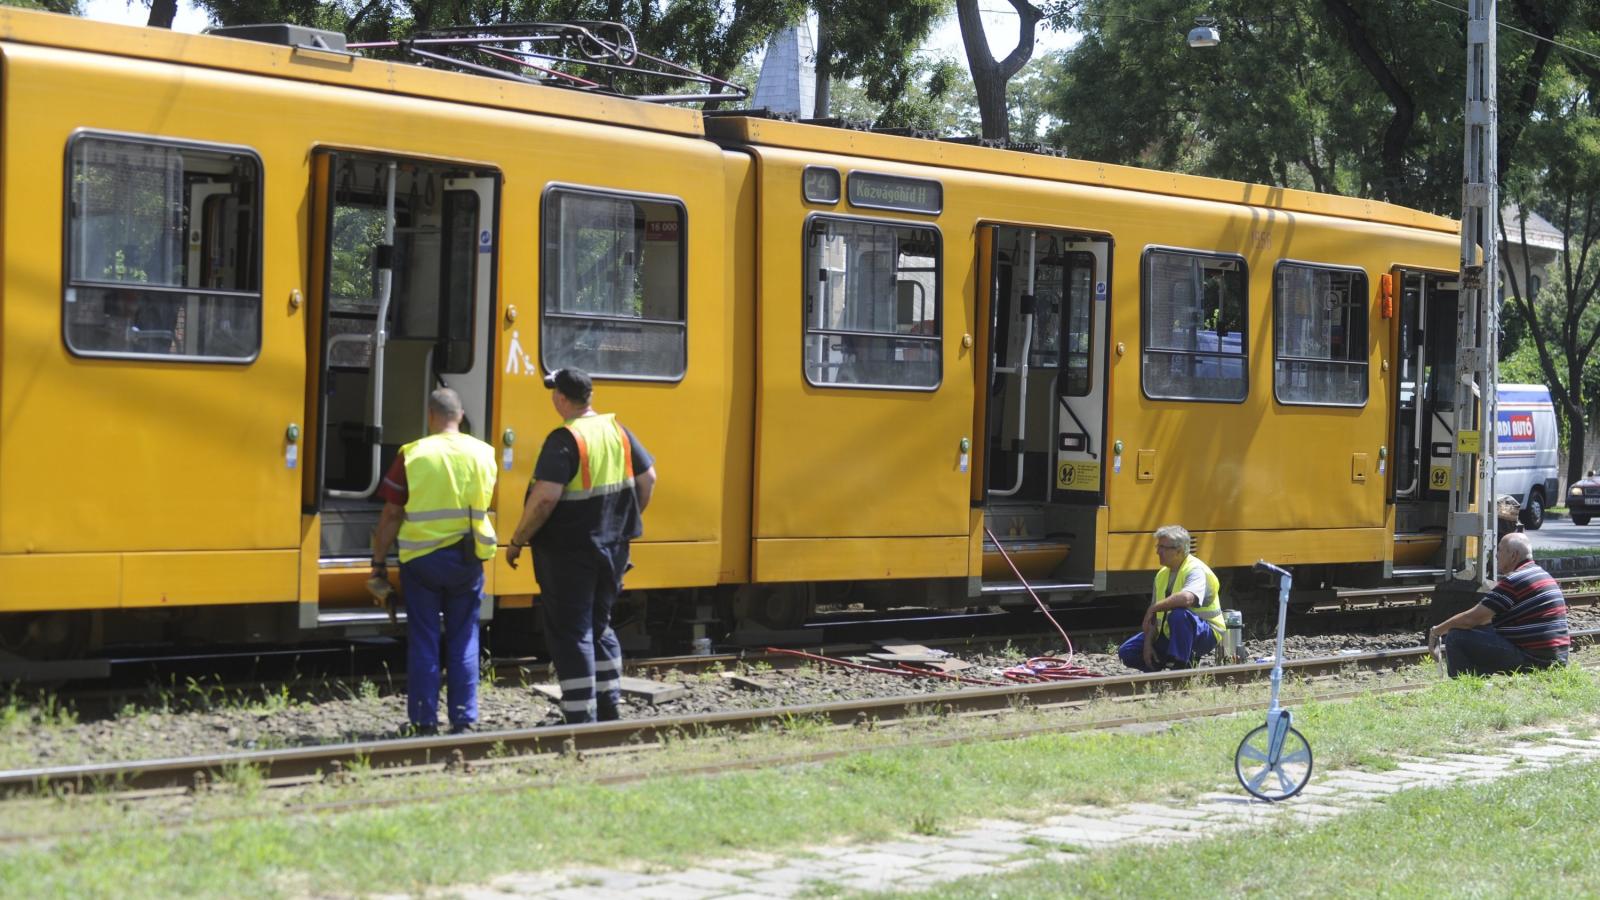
[(1040, 668), (1047, 668)]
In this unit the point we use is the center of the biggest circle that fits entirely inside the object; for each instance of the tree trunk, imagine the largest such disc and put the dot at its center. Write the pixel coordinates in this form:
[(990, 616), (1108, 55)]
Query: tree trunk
[(1398, 134), (824, 67), (1577, 426), (1575, 448), (989, 76), (162, 12)]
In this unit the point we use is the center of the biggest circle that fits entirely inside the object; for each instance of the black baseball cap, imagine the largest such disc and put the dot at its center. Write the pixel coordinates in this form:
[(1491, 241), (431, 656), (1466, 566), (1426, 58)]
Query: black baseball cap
[(573, 383)]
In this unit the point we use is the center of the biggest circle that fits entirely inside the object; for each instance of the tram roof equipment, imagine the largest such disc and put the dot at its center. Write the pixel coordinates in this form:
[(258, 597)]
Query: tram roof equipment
[(584, 55)]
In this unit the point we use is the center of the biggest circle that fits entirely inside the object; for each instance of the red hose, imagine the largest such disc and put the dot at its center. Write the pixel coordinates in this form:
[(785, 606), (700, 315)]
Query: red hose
[(1047, 668), (1041, 668)]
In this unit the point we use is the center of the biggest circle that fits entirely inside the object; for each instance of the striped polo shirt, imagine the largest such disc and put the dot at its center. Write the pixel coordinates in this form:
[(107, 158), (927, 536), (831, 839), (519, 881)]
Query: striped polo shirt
[(1530, 611)]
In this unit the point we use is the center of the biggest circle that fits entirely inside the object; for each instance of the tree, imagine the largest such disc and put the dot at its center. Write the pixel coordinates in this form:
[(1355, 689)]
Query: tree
[(990, 76), (937, 98), (1346, 96), (1559, 176), (873, 40), (1027, 97)]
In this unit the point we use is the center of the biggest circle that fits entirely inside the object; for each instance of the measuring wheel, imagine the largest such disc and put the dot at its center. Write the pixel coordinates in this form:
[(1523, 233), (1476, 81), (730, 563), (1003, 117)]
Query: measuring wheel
[(1273, 775)]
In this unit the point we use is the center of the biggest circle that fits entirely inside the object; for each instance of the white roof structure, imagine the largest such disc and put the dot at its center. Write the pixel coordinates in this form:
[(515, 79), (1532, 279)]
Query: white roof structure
[(1541, 233), (788, 82)]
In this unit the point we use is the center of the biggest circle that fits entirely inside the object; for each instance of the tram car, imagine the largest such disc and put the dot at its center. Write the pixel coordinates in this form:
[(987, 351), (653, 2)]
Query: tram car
[(233, 269)]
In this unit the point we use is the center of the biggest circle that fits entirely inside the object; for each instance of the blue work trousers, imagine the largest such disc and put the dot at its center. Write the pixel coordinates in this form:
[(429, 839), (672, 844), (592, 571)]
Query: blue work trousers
[(1188, 636), (577, 590), (1483, 651), (443, 586)]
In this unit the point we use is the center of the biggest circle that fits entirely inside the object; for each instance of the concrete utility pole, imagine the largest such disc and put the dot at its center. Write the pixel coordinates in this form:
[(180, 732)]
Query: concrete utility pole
[(1478, 314)]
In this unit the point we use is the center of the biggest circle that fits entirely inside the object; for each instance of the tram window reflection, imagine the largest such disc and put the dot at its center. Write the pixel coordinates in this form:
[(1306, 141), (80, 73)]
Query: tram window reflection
[(162, 250), (614, 285)]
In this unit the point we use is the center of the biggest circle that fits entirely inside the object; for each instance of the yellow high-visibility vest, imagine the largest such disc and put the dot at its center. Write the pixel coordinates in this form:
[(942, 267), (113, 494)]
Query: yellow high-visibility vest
[(605, 458), (450, 484), (1210, 608)]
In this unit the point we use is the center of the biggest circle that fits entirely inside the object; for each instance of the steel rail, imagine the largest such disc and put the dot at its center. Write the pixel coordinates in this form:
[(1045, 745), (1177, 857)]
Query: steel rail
[(306, 762)]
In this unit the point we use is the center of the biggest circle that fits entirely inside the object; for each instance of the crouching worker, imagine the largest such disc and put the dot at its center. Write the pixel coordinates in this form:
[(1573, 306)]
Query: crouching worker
[(1518, 626), (1184, 621)]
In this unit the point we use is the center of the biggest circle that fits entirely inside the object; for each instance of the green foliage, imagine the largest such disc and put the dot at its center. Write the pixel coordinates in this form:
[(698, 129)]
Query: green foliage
[(875, 42), (69, 7), (937, 97), (1558, 176), (1348, 96)]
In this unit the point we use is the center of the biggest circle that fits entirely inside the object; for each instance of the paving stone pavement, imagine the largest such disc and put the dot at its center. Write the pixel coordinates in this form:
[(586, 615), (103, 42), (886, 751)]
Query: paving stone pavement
[(991, 847)]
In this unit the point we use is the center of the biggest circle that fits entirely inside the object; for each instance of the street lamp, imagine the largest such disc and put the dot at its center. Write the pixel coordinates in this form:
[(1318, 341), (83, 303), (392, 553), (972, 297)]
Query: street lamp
[(1204, 33)]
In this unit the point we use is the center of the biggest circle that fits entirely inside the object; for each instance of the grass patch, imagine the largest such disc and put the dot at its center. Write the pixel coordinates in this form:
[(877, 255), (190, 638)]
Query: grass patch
[(1530, 835), (875, 794)]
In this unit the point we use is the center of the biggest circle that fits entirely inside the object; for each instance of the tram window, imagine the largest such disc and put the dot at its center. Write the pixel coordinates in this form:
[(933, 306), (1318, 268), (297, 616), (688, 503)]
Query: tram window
[(614, 285), (872, 304), (162, 250), (1195, 345), (1320, 335), (1075, 367)]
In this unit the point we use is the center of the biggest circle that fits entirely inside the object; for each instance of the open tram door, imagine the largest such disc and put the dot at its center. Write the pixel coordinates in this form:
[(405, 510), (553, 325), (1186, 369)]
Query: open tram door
[(1040, 473), (1426, 307), (402, 298)]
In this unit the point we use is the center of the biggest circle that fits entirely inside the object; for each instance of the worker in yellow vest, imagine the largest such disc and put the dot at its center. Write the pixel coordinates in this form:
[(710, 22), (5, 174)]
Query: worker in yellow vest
[(591, 483), (1184, 621), (436, 507)]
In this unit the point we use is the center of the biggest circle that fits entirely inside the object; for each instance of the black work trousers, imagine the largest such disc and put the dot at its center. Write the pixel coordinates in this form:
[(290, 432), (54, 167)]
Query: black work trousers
[(577, 591)]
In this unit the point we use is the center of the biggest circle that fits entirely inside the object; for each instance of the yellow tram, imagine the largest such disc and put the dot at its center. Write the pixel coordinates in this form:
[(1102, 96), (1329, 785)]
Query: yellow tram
[(849, 352)]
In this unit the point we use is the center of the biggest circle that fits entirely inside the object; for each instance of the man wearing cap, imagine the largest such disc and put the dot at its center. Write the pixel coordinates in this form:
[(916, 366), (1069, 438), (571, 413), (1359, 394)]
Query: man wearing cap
[(591, 482), (436, 505)]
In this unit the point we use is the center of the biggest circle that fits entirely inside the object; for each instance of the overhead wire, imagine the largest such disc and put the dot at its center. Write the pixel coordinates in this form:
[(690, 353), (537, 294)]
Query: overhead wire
[(1523, 31)]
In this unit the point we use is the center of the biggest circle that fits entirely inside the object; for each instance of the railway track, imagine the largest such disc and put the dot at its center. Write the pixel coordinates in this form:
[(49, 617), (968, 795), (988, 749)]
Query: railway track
[(430, 753)]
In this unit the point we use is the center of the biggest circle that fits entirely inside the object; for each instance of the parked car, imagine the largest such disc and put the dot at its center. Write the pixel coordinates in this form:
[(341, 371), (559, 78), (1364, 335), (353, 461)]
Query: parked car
[(1583, 499)]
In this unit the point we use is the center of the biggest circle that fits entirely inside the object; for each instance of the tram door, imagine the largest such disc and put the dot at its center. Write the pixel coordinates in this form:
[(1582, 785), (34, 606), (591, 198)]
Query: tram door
[(1042, 478), (403, 296), (1423, 439)]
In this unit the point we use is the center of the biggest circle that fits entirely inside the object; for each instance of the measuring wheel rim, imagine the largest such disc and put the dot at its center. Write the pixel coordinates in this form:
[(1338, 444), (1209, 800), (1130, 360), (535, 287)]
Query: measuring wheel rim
[(1270, 781)]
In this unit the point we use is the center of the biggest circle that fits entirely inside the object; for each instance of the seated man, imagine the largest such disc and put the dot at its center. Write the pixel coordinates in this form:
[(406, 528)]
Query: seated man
[(1520, 625), (1184, 620)]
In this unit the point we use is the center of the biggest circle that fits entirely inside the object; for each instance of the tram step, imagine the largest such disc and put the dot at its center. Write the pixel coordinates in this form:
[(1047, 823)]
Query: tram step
[(1417, 572), (340, 617), (1004, 588)]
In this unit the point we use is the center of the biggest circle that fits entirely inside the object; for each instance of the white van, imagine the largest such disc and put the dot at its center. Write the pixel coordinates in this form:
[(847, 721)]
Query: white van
[(1526, 434)]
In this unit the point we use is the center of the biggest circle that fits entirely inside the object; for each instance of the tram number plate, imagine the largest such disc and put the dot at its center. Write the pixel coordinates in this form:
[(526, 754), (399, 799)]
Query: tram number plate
[(1439, 478), (1078, 476)]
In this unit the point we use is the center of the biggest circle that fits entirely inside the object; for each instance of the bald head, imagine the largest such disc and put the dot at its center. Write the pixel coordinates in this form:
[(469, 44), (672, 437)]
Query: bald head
[(1515, 549), (444, 409)]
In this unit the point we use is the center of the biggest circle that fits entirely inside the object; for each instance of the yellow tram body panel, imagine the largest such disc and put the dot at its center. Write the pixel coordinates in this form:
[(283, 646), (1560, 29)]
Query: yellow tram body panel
[(187, 496), (1254, 478), (182, 490)]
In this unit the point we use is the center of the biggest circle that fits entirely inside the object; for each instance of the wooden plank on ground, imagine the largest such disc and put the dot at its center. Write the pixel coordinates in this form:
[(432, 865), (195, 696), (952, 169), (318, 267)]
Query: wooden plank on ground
[(652, 692)]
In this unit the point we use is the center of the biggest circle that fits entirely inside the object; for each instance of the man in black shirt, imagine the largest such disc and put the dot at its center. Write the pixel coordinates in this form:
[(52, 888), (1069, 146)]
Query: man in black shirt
[(591, 482)]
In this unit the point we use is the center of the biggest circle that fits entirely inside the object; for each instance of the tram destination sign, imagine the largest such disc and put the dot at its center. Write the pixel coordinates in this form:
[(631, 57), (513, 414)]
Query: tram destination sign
[(873, 191)]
